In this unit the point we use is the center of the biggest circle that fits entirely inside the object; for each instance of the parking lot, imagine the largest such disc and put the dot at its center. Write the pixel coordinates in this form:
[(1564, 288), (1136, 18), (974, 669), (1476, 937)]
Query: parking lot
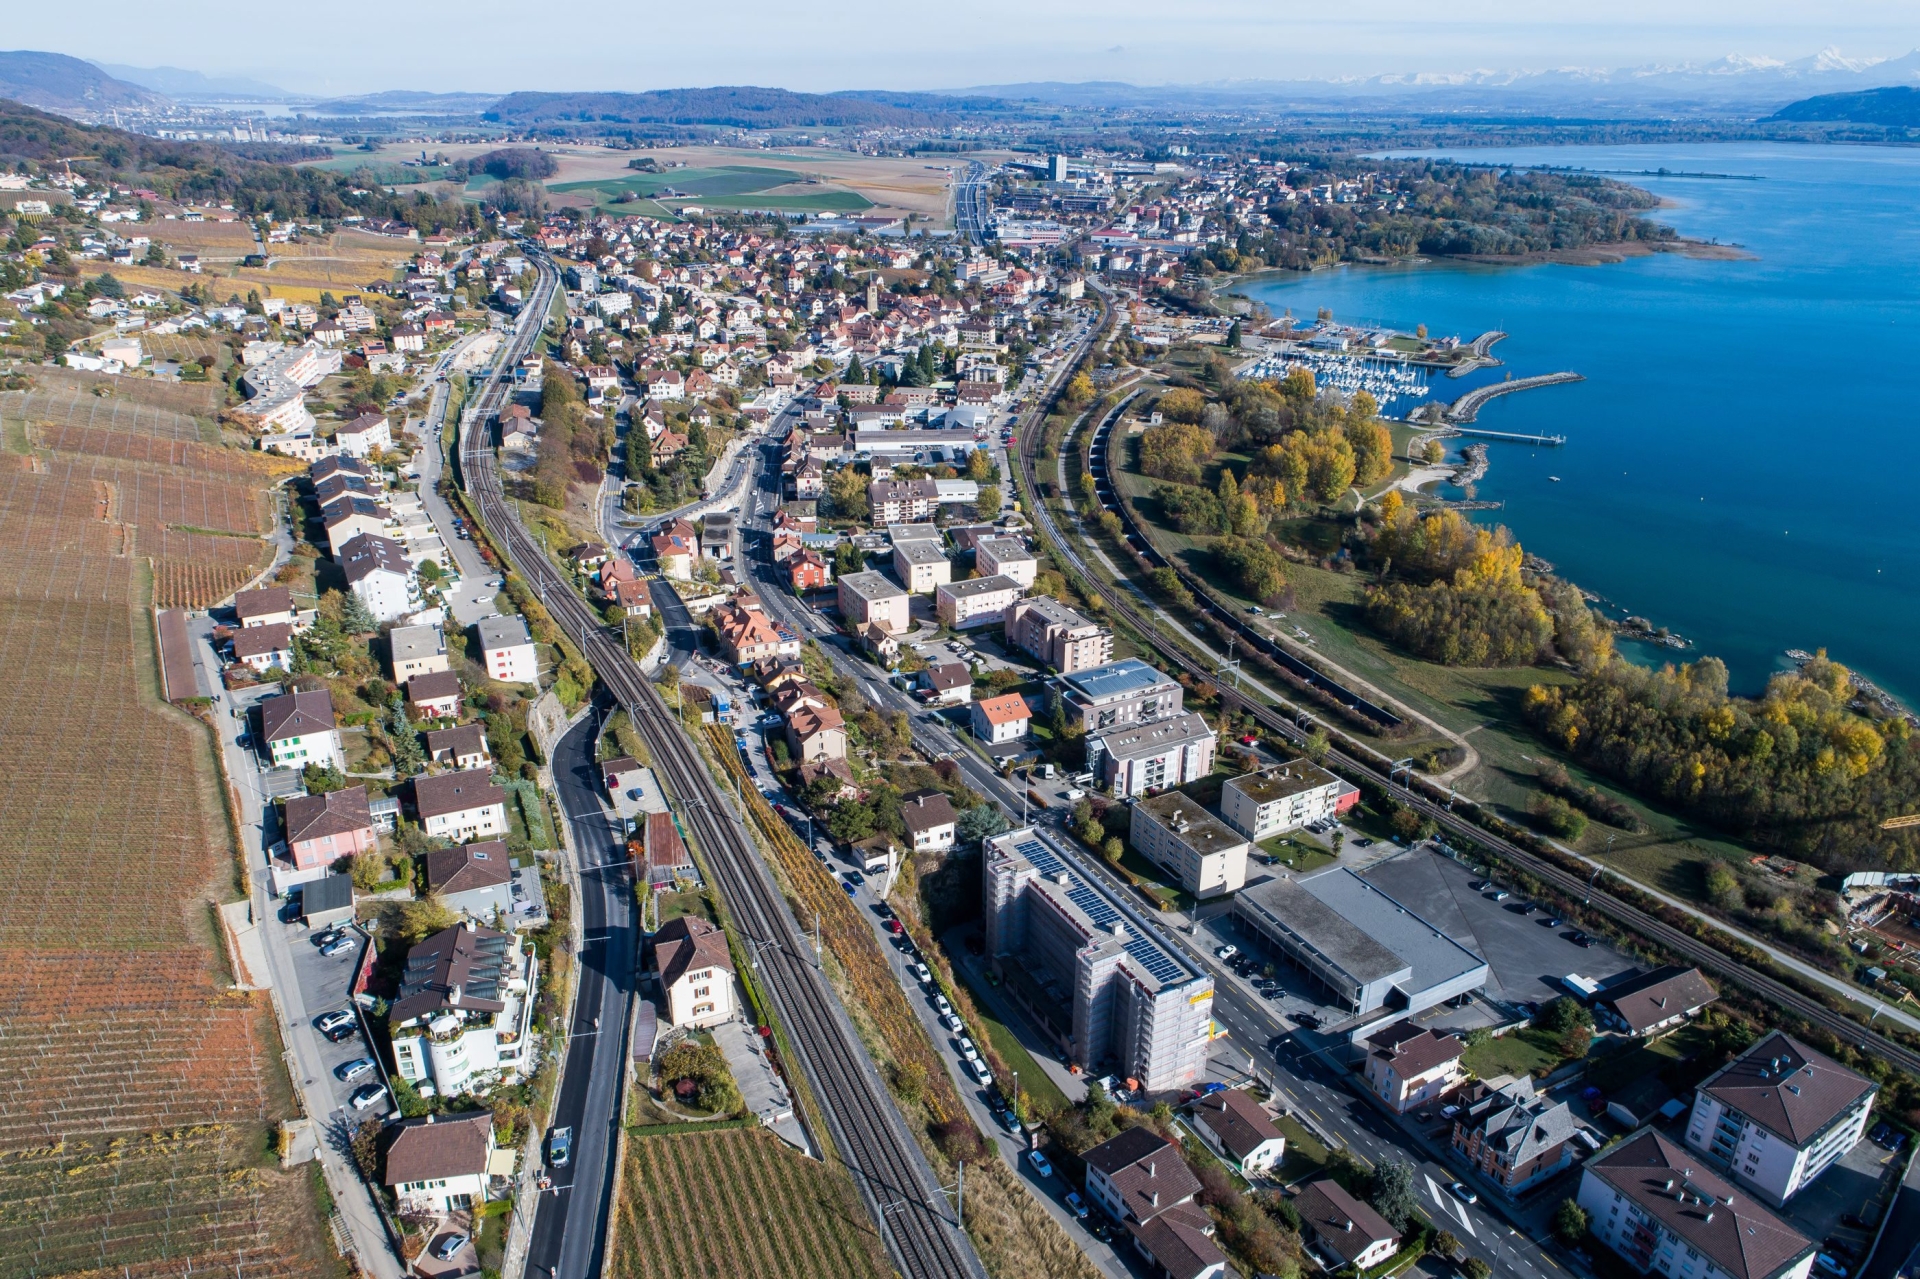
[(324, 982), (1526, 956)]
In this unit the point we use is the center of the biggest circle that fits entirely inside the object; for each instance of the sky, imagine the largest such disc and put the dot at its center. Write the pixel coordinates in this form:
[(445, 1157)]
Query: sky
[(490, 45)]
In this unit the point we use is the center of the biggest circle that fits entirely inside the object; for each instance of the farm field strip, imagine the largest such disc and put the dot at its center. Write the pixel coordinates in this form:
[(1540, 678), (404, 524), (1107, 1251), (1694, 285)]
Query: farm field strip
[(737, 1203), (73, 408), (194, 399), (156, 450)]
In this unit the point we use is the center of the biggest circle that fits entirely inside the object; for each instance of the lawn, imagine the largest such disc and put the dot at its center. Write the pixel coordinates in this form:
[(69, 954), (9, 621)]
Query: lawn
[(1296, 856), (1688, 1043), (1523, 1052), (1305, 1154), (1034, 1081)]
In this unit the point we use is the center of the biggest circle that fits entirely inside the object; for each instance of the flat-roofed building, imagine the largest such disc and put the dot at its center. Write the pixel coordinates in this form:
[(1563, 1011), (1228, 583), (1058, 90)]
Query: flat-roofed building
[(921, 566), (507, 650), (1049, 631), (874, 599), (1118, 693), (1366, 950), (1276, 800), (976, 602), (416, 650), (1779, 1115), (1206, 856), (1007, 556), (1654, 1204), (1151, 754), (1091, 968)]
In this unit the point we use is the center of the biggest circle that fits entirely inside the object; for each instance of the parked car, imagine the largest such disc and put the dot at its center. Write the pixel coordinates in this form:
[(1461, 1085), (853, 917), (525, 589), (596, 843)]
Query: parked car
[(953, 1023), (1040, 1164), (368, 1095), (923, 974), (338, 1033), (354, 1069), (1827, 1265), (1227, 951), (894, 927), (560, 1147), (449, 1247), (328, 937), (1464, 1193), (940, 1002), (328, 1021), (336, 946), (848, 885), (1076, 1205), (968, 1050), (981, 1075)]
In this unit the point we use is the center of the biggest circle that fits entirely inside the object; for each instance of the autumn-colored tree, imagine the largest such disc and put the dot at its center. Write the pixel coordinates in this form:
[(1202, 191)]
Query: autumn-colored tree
[(1183, 404)]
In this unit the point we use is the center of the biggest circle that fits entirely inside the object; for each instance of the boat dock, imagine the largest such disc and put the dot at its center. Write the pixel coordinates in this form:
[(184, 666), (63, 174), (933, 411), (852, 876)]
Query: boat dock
[(1468, 406), (1514, 437)]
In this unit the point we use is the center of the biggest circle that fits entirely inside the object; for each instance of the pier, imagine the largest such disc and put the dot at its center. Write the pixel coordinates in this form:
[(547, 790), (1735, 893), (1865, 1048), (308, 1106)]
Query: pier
[(1482, 356), (1468, 406), (1516, 437)]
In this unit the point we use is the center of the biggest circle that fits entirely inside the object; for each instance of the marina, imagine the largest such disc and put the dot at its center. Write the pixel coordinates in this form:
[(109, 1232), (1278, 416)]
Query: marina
[(1389, 377)]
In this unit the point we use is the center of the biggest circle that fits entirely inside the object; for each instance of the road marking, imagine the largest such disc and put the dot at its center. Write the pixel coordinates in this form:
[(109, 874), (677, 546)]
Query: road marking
[(1448, 1202)]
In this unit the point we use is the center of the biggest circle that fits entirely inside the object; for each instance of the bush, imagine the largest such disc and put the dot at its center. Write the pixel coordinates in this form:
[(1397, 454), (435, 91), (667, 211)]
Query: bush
[(1557, 817), (1570, 1223)]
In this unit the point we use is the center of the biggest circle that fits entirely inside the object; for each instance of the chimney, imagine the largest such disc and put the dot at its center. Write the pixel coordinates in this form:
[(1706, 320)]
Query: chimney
[(1154, 1198), (453, 996), (1348, 1225)]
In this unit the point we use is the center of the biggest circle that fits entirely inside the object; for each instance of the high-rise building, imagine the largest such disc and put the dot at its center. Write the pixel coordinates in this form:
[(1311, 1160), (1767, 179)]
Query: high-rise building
[(1089, 967)]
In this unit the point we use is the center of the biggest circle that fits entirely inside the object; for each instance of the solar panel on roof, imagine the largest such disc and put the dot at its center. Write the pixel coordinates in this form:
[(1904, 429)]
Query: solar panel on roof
[(1099, 910)]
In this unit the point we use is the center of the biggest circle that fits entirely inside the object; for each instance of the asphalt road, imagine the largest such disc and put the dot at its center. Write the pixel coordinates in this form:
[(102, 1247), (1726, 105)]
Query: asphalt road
[(567, 1241)]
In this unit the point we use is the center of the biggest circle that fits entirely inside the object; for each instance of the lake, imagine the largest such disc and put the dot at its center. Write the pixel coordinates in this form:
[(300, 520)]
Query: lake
[(1741, 458)]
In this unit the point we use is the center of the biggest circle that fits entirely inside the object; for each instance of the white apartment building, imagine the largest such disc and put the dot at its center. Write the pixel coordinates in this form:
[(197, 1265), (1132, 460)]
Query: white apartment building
[(1779, 1115), (1006, 556), (976, 602), (464, 1011), (416, 650), (921, 566), (378, 571), (507, 650), (1172, 830), (1142, 756), (1276, 800)]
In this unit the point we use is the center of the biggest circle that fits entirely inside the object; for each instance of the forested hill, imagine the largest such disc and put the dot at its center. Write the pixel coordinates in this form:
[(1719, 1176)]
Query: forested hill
[(1897, 107), (731, 106), (55, 80), (200, 172)]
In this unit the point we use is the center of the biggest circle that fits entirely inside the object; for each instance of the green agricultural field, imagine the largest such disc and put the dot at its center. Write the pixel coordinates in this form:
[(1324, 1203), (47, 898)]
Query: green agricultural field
[(734, 186)]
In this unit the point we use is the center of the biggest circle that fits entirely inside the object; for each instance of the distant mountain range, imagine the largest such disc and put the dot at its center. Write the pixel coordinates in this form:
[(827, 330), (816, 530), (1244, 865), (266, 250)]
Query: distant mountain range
[(178, 83), (55, 82), (1895, 107), (733, 106), (407, 102), (1732, 84)]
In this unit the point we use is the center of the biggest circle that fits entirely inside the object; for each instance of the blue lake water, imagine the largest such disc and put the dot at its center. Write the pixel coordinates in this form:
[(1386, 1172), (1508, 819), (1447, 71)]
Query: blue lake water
[(1741, 459)]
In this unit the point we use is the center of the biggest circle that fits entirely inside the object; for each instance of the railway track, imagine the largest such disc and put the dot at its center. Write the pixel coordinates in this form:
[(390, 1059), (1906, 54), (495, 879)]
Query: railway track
[(867, 1130), (1292, 724)]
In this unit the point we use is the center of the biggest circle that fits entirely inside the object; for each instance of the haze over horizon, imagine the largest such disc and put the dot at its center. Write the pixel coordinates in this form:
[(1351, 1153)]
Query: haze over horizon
[(503, 47)]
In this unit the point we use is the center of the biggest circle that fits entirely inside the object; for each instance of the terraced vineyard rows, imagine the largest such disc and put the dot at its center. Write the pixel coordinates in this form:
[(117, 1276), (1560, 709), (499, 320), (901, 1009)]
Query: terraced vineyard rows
[(139, 1089), (849, 937), (741, 1203), (75, 406)]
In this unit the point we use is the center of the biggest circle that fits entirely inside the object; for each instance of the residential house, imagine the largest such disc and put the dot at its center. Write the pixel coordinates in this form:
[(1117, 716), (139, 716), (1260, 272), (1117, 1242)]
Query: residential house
[(816, 733), (950, 682), (350, 515), (264, 647), (506, 649), (696, 971), (434, 696), (1349, 1229), (1148, 755), (461, 806), (747, 635), (930, 820), (360, 437), (1138, 1178), (475, 880), (977, 602), (1779, 1115), (268, 606), (416, 650), (1656, 1205), (1515, 1137), (1236, 1128), (1051, 632), (321, 829), (378, 571), (1007, 557), (299, 730), (675, 548), (1276, 800), (1655, 1001), (1206, 856), (444, 1163), (1001, 719), (588, 556), (1408, 1066), (809, 570), (464, 747), (716, 535), (465, 1006), (873, 599)]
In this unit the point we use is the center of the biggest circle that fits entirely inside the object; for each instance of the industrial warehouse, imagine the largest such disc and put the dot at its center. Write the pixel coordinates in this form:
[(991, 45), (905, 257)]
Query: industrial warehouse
[(1369, 952)]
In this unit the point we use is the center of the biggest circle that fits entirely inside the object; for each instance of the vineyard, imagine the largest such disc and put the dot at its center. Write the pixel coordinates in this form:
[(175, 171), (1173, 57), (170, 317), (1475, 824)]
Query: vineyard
[(737, 1203), (850, 939), (140, 1089)]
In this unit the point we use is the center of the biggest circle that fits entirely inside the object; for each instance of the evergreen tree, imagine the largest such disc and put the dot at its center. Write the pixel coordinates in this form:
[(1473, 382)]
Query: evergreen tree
[(355, 617), (855, 372)]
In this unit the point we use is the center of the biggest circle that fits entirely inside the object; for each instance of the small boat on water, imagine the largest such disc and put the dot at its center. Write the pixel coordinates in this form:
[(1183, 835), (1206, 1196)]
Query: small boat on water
[(1554, 478)]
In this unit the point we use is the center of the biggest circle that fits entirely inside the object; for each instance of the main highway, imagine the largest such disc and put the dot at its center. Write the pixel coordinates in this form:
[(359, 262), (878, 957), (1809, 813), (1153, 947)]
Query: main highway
[(864, 1130)]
